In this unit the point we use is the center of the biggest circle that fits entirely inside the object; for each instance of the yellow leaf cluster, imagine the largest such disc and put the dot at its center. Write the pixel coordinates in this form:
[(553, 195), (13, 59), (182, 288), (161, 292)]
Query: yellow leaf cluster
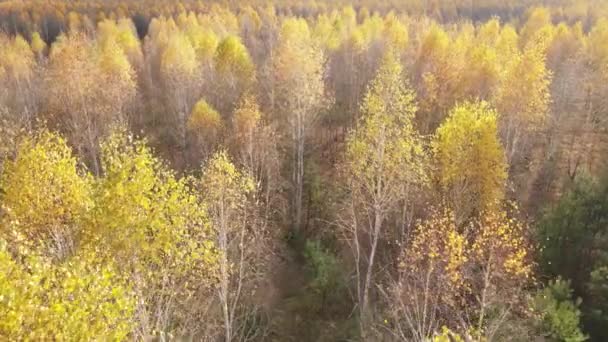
[(232, 57), (45, 198), (16, 57), (386, 152), (247, 116), (204, 119), (76, 299), (179, 57), (441, 250), (471, 163), (451, 263)]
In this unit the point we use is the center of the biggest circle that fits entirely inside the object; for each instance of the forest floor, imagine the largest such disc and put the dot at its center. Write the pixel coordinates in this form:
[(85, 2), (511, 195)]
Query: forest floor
[(298, 312), (289, 281)]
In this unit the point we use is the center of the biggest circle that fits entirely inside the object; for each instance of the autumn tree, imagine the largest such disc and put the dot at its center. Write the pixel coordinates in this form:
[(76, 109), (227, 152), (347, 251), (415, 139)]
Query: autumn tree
[(38, 45), (19, 79), (523, 99), (538, 18), (470, 161), (180, 71), (431, 283), (45, 198), (153, 226), (254, 145), (594, 86), (235, 73), (204, 129), (301, 97), (435, 76), (204, 40), (75, 298), (52, 287), (226, 192), (85, 95), (468, 277), (384, 163)]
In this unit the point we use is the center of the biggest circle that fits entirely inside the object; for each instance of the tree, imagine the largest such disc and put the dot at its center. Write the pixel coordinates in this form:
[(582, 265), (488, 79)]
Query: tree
[(180, 70), (38, 45), (19, 77), (246, 122), (86, 95), (235, 72), (596, 59), (225, 190), (301, 97), (74, 298), (538, 18), (436, 76), (254, 145), (383, 164), (432, 278), (523, 99), (45, 198), (205, 127), (577, 224), (204, 41), (154, 227), (500, 253), (467, 277), (560, 314), (471, 165)]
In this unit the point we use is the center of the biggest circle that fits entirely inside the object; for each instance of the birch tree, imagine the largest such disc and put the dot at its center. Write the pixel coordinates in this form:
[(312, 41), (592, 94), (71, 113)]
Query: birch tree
[(300, 91), (225, 191), (384, 157), (470, 161)]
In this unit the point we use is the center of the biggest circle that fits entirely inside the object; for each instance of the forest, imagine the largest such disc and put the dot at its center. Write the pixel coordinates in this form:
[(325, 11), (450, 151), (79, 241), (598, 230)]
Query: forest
[(304, 170)]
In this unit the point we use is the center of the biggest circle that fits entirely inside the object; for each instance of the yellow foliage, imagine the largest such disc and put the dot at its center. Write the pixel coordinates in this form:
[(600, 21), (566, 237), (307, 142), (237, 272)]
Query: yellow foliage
[(204, 119), (435, 43), (439, 249), (17, 58), (396, 34), (179, 57), (507, 44), (597, 46), (447, 335), (447, 264), (225, 191), (295, 30), (144, 214), (247, 116), (538, 18), (45, 198), (385, 152), (250, 16), (471, 163), (232, 57), (524, 94), (301, 90), (204, 41), (121, 33), (326, 33), (370, 30), (500, 245), (489, 32), (114, 64), (76, 299), (38, 45)]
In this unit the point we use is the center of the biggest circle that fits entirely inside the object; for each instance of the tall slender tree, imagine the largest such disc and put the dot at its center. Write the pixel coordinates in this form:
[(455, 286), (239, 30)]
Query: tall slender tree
[(384, 162), (301, 97)]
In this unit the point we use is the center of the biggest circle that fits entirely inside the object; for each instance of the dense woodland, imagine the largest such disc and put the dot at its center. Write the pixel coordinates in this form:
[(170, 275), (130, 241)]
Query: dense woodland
[(416, 170)]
